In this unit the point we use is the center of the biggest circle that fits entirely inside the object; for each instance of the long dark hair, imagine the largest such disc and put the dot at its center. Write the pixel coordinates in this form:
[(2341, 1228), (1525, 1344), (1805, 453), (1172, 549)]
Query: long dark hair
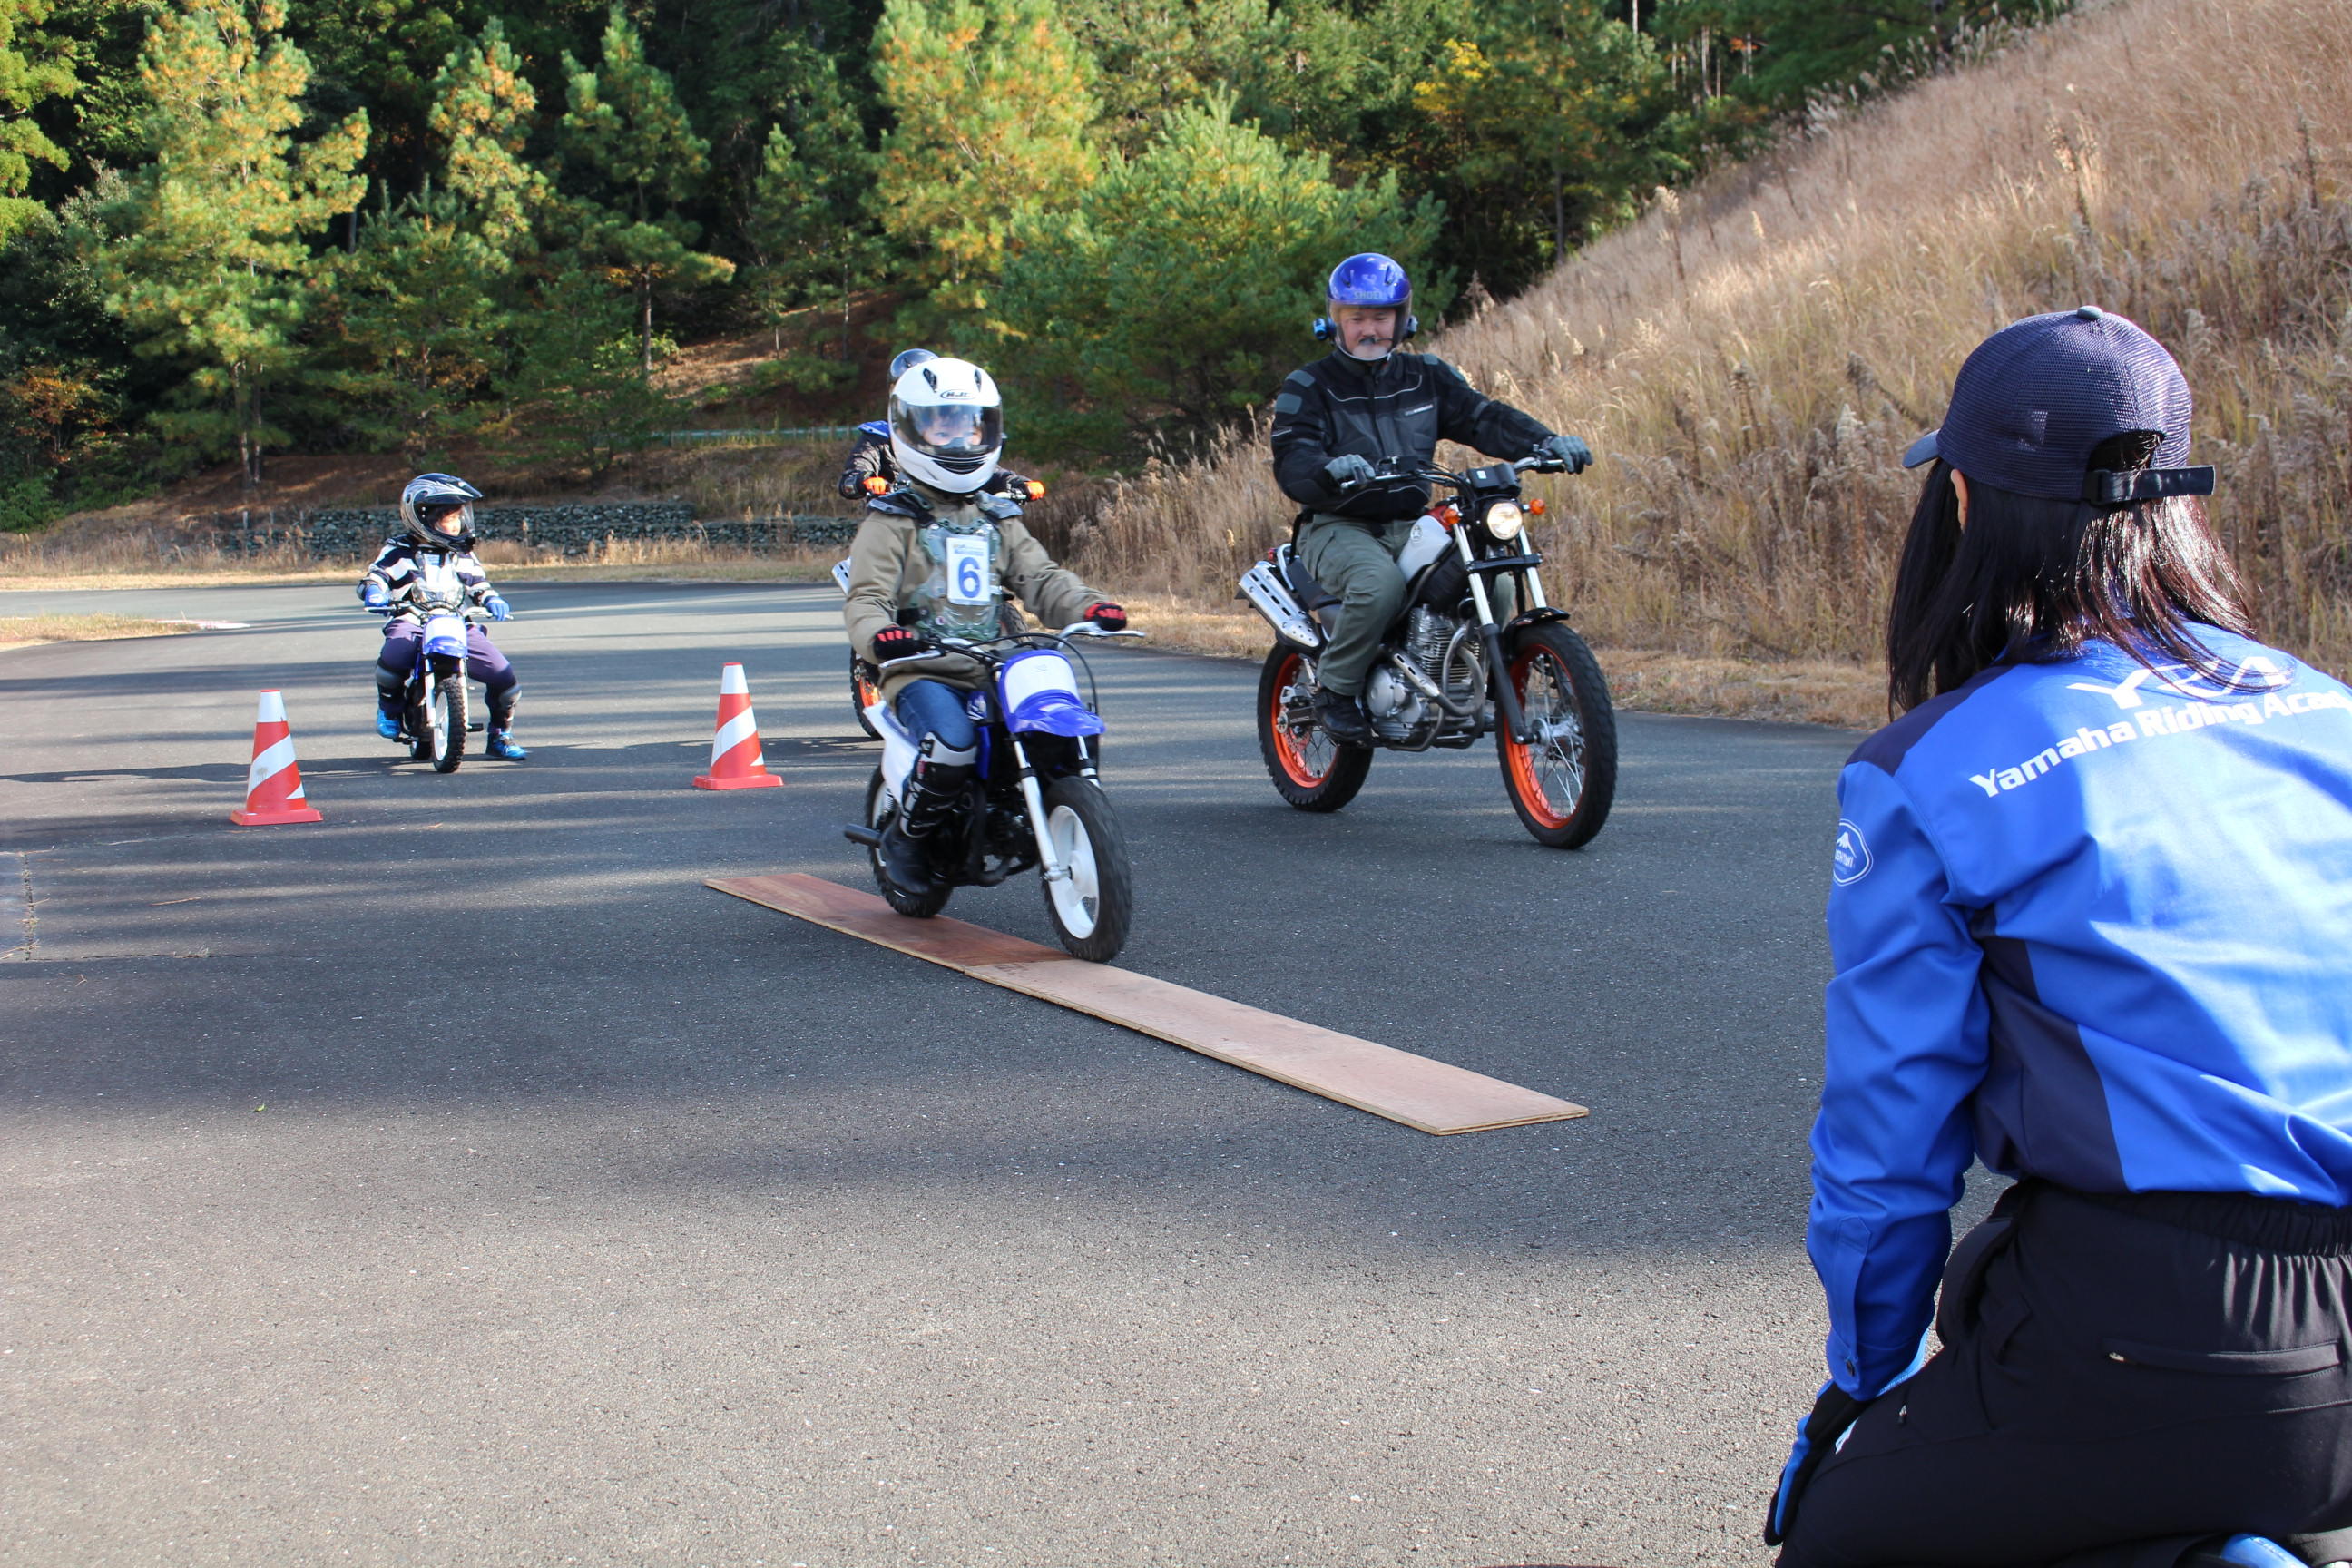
[(2030, 581)]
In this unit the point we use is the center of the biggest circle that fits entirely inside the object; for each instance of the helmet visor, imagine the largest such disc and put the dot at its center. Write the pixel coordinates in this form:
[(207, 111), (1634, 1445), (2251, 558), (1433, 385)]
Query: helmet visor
[(950, 432)]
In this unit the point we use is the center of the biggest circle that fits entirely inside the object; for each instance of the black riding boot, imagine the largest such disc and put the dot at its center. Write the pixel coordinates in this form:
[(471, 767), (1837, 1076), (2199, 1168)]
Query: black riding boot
[(942, 776)]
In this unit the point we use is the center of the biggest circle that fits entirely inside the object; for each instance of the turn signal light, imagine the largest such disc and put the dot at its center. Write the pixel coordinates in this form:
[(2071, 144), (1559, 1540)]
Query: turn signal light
[(1449, 515), (1536, 508)]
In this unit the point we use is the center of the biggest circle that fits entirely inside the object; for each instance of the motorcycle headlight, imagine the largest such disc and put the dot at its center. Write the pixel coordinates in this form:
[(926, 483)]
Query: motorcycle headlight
[(1506, 521)]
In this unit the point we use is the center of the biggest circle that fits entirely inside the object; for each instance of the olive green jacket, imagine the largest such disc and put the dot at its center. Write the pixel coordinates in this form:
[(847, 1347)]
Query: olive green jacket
[(887, 565)]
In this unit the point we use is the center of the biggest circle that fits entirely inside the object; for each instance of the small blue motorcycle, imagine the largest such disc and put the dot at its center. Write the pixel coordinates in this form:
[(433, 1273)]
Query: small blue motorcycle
[(433, 718), (1036, 803)]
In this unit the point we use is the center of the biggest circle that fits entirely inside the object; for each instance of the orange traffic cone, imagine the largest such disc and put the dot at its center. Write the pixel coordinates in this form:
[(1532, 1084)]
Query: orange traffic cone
[(273, 784), (735, 759)]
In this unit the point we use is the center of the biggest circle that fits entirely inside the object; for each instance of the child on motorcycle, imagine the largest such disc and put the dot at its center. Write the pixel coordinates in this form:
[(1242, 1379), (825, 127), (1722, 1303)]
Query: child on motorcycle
[(933, 559), (870, 471), (437, 512)]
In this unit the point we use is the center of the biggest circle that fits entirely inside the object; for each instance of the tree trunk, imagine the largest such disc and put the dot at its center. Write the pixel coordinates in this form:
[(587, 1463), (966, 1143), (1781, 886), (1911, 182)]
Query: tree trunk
[(646, 324), (240, 397)]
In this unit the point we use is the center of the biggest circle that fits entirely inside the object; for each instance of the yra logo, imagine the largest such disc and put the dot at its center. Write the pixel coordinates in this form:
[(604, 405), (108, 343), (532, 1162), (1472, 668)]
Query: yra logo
[(1850, 861)]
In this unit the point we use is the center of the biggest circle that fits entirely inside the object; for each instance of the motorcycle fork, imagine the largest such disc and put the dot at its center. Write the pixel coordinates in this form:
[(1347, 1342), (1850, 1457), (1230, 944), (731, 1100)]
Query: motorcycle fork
[(1033, 797), (1506, 696)]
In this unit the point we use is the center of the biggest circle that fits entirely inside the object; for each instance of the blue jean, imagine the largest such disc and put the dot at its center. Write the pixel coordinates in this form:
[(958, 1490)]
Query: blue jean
[(935, 708)]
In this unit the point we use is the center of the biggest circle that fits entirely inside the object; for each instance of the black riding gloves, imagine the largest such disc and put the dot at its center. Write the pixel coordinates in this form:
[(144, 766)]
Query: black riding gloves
[(1569, 451), (895, 642)]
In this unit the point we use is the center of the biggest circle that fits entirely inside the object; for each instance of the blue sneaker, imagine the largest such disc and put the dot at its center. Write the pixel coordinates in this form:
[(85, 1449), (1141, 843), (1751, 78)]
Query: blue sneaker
[(2240, 1551), (502, 746), (386, 725)]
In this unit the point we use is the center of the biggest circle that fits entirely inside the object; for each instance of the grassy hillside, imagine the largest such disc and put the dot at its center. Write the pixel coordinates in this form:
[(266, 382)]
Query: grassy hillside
[(1751, 359)]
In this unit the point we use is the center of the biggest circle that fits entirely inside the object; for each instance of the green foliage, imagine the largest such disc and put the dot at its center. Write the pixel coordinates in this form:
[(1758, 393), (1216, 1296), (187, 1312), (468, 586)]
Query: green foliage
[(1545, 122), (992, 104), (624, 121), (577, 394), (1156, 57), (31, 72), (806, 223), (481, 118), (414, 315), (201, 253), (1180, 283)]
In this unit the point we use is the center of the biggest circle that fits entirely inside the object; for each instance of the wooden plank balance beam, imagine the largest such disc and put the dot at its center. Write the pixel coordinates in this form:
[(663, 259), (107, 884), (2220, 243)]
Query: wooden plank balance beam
[(1430, 1096)]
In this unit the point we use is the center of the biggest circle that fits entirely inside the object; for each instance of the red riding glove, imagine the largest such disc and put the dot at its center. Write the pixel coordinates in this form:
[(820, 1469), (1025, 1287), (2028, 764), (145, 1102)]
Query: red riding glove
[(1107, 616)]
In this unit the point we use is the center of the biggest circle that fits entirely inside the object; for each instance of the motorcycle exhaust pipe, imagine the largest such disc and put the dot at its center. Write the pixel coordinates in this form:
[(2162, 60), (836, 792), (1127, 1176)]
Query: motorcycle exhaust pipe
[(1272, 597)]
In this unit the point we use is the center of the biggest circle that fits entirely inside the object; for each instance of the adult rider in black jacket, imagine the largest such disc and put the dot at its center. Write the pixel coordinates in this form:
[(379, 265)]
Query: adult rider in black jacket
[(1334, 422)]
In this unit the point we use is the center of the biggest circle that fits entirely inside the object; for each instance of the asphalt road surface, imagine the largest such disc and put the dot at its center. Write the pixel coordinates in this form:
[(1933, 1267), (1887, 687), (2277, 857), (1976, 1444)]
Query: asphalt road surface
[(460, 1181)]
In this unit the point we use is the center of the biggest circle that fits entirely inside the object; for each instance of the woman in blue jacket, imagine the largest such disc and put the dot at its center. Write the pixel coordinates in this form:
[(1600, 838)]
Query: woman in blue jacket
[(2092, 923)]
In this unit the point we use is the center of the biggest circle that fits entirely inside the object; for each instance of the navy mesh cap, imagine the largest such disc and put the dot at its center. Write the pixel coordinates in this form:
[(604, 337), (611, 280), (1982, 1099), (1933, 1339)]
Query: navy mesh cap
[(2038, 397)]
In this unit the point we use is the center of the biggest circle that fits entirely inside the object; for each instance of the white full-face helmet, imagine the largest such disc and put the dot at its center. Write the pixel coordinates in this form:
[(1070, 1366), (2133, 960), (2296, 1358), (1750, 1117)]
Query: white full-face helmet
[(947, 426)]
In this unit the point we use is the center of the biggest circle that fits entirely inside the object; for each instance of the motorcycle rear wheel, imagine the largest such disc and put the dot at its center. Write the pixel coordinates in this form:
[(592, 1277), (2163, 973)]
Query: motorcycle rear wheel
[(1092, 908), (921, 907), (1561, 785), (449, 720), (1311, 770), (863, 693)]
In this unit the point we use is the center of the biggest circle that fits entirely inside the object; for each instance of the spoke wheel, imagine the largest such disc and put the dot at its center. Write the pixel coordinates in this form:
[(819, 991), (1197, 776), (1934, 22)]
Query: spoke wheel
[(863, 693), (1090, 907), (1309, 769), (879, 812), (448, 719), (420, 718), (1563, 780)]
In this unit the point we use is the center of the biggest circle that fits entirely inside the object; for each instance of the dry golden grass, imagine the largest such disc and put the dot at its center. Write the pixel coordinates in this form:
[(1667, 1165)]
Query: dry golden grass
[(25, 631), (1751, 358)]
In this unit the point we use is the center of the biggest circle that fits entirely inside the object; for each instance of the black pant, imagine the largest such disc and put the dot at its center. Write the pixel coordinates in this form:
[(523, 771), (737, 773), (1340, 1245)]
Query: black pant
[(2121, 1377)]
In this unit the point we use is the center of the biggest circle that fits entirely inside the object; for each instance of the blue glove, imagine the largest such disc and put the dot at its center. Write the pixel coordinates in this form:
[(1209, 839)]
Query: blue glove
[(500, 609), (1349, 472), (1568, 451), (372, 595)]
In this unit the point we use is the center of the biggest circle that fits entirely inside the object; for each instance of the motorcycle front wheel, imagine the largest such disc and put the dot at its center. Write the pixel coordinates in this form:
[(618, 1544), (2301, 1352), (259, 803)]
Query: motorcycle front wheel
[(420, 718), (448, 719), (863, 694), (879, 812), (1563, 779), (1311, 770), (1092, 905)]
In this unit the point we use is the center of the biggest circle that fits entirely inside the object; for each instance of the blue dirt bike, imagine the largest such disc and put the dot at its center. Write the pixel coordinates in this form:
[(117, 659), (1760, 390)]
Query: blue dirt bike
[(434, 720), (1036, 802)]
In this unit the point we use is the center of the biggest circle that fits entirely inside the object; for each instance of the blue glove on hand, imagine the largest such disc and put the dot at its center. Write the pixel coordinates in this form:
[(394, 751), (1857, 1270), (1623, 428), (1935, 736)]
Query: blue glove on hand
[(372, 596), (1349, 472), (500, 609), (1566, 450)]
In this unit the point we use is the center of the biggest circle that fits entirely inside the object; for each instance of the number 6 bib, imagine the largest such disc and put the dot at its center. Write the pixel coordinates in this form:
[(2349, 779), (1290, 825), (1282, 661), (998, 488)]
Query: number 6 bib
[(969, 581)]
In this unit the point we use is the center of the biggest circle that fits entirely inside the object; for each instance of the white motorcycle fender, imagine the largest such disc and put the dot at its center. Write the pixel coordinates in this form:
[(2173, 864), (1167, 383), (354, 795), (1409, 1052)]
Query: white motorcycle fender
[(898, 749), (444, 634)]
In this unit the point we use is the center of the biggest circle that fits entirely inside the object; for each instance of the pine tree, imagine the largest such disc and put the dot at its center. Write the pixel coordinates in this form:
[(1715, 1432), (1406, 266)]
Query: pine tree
[(202, 250), (806, 223), (991, 101), (31, 72), (483, 110), (577, 391), (624, 121), (1184, 278)]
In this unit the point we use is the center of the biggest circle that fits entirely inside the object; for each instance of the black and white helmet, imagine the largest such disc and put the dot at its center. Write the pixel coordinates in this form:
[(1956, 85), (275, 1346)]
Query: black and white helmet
[(429, 496), (947, 426)]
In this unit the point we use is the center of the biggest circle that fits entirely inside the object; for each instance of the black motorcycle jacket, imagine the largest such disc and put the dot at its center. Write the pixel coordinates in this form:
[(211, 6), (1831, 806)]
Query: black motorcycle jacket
[(1400, 408)]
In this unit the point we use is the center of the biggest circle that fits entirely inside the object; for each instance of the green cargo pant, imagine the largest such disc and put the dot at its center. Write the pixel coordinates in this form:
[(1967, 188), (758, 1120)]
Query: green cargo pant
[(1357, 560)]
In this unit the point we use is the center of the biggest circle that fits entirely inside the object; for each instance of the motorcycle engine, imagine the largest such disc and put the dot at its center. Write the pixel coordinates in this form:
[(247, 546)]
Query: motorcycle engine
[(1394, 707)]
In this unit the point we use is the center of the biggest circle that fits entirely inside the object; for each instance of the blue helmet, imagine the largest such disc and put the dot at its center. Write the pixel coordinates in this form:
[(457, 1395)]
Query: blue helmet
[(1373, 281), (908, 359)]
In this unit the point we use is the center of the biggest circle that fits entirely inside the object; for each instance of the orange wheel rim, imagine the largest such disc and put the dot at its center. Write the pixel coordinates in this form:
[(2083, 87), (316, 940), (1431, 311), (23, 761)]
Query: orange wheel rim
[(1529, 766), (1298, 757)]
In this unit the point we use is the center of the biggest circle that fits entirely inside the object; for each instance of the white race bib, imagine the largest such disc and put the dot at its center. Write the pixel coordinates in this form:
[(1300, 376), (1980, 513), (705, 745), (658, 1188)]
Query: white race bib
[(970, 582)]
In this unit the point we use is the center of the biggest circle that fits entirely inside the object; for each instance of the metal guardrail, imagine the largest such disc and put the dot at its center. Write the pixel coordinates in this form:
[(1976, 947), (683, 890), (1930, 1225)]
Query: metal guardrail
[(748, 438)]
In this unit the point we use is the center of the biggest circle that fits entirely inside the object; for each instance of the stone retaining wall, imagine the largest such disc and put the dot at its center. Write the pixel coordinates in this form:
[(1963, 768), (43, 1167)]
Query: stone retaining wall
[(575, 530)]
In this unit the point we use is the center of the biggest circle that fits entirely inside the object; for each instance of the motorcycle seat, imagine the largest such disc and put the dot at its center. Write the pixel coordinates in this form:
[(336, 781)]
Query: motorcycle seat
[(1312, 596)]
